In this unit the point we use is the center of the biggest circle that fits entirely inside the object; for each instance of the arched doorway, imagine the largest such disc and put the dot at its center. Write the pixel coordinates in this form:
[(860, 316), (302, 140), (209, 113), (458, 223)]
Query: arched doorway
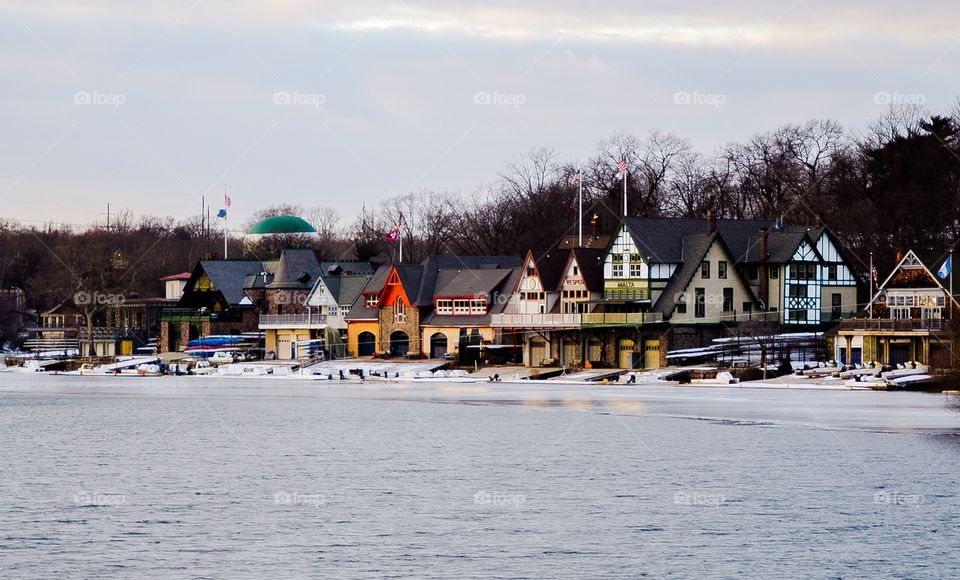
[(399, 343), (438, 345), (538, 352), (627, 356), (366, 344), (568, 351)]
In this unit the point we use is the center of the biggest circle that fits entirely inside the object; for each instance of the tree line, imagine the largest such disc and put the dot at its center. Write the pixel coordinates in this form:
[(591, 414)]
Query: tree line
[(889, 188)]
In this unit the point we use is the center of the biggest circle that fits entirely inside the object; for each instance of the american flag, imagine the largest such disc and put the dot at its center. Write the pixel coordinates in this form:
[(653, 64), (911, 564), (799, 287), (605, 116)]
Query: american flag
[(394, 234), (227, 201), (622, 166), (575, 176)]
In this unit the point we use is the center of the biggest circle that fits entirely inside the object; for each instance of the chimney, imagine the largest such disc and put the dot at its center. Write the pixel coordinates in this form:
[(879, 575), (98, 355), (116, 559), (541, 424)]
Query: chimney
[(762, 272), (898, 258), (818, 222), (711, 222)]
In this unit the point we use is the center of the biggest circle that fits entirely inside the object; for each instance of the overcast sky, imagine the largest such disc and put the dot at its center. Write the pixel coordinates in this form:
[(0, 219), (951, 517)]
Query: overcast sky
[(148, 104)]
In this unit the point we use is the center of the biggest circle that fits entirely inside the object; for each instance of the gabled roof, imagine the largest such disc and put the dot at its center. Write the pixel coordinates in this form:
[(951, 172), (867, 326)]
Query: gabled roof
[(695, 247), (498, 297), (660, 240), (590, 261), (347, 267), (229, 276), (298, 268), (923, 277), (550, 266), (373, 285)]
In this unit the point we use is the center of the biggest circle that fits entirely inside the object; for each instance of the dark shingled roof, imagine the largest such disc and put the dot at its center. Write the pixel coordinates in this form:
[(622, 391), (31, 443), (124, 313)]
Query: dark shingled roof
[(298, 268), (348, 267), (229, 276), (469, 282), (695, 247), (550, 265), (373, 285), (499, 295), (661, 239), (590, 261)]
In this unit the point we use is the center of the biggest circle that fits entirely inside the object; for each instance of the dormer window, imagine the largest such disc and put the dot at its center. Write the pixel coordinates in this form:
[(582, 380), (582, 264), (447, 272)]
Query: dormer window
[(372, 301)]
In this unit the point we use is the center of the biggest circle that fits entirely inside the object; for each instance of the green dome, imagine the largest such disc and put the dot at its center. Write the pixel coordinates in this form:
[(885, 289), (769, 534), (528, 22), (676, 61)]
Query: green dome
[(282, 224)]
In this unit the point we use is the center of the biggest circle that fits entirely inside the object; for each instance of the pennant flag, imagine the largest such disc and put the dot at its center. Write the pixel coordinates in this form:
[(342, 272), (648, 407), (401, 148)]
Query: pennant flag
[(946, 268), (393, 235), (876, 277), (622, 166), (222, 214), (227, 201), (575, 176)]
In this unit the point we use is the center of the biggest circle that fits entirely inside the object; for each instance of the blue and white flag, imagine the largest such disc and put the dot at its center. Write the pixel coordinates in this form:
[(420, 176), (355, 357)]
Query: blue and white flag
[(946, 268)]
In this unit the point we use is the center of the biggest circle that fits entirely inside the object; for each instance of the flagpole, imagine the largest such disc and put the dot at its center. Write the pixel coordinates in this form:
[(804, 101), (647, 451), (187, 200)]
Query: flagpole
[(624, 193), (400, 236), (870, 298), (950, 258), (580, 219)]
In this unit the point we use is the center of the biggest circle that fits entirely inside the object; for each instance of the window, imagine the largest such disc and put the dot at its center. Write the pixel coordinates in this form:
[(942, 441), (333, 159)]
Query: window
[(444, 306), (635, 270), (461, 307), (752, 272), (681, 306), (478, 307), (372, 301), (576, 271), (798, 315), (618, 270), (797, 290), (747, 307), (699, 306), (722, 269), (774, 273), (832, 272), (836, 305), (705, 269), (803, 271), (728, 299), (399, 311)]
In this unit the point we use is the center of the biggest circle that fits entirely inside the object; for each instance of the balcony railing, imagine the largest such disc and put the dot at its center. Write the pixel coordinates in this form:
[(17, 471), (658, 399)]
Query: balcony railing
[(536, 320), (292, 320), (893, 325), (629, 318)]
